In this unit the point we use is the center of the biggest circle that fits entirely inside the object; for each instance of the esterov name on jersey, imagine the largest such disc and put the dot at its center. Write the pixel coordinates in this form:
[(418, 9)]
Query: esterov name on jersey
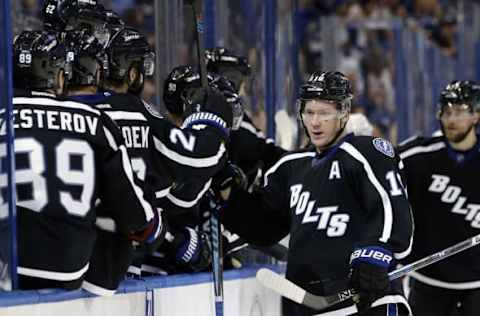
[(55, 120), (135, 136)]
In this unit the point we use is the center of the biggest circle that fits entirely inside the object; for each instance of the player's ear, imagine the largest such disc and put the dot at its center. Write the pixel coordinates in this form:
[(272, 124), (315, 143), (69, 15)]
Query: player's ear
[(344, 116), (133, 73)]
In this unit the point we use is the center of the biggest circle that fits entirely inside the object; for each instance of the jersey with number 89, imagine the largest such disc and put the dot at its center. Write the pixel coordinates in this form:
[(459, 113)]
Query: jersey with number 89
[(68, 156)]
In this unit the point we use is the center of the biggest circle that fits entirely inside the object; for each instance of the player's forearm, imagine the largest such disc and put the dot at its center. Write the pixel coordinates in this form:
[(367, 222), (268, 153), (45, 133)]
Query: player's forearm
[(247, 215)]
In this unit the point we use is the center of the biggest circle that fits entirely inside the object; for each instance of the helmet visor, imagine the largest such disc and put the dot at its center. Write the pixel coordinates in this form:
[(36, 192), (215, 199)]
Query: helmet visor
[(149, 64)]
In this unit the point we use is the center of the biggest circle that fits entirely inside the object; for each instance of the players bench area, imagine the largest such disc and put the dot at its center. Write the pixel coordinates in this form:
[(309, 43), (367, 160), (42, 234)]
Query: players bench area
[(176, 295)]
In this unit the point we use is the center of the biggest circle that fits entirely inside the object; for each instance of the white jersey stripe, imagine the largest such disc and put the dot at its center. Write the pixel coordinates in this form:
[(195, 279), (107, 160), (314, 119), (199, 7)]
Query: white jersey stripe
[(162, 193), (385, 300), (446, 285), (125, 115), (387, 205), (190, 161), (51, 102), (249, 127), (422, 149), (404, 254), (53, 275), (188, 204), (127, 167), (406, 141), (106, 224), (97, 290), (283, 160), (110, 139)]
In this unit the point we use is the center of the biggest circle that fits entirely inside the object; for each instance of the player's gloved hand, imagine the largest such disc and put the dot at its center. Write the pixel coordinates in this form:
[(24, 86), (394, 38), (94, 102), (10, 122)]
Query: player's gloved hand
[(152, 234), (228, 176), (191, 250), (207, 106), (369, 274), (232, 244)]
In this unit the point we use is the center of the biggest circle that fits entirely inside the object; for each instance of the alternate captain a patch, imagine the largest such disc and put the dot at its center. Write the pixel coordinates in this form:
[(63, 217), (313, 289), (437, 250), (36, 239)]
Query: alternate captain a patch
[(384, 146)]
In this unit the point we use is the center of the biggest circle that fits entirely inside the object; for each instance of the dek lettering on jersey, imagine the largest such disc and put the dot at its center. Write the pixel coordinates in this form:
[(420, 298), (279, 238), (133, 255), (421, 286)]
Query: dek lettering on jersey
[(335, 225), (451, 194)]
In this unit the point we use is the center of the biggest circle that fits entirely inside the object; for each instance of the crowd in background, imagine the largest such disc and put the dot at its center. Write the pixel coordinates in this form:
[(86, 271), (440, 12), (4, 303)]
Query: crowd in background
[(365, 42)]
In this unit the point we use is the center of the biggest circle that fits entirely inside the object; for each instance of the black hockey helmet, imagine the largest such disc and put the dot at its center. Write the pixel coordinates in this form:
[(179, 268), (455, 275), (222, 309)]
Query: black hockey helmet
[(224, 62), (327, 85), (56, 13), (178, 80), (233, 99), (38, 56), (464, 93), (129, 48), (85, 56), (93, 20), (114, 21)]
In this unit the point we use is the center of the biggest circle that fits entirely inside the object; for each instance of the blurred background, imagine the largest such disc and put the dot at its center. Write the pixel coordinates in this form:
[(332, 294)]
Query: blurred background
[(398, 54)]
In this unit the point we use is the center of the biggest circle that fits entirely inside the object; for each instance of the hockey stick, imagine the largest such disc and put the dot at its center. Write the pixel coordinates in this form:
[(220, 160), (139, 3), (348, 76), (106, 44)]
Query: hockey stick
[(199, 28), (215, 229), (217, 251), (295, 293)]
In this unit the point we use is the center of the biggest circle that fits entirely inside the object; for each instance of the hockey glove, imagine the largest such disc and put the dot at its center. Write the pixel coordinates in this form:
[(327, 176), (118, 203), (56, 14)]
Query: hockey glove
[(207, 106), (191, 250), (369, 275), (230, 175), (152, 234)]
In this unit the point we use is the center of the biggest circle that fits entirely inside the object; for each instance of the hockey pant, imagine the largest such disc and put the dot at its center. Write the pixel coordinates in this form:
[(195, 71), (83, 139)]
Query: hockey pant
[(427, 300)]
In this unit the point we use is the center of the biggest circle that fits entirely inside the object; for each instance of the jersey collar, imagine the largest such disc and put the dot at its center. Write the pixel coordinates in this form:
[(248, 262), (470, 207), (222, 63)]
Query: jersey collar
[(461, 157), (88, 98), (330, 152)]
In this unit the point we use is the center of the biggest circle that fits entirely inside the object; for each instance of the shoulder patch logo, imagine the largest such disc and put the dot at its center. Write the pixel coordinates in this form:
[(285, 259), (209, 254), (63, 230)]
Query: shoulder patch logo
[(384, 146)]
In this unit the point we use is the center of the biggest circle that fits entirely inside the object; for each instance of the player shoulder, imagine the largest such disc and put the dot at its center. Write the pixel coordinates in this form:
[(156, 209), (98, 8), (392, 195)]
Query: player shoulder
[(368, 146), (293, 157), (52, 103), (420, 145)]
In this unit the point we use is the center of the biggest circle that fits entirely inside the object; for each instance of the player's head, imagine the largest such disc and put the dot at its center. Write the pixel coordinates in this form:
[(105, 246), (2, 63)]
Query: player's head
[(178, 81), (93, 20), (130, 60), (57, 13), (324, 106), (224, 62), (114, 22), (39, 61), (233, 99), (86, 58), (457, 110)]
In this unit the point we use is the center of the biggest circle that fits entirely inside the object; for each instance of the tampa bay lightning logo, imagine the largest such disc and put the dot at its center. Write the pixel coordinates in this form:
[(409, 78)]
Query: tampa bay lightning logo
[(384, 146)]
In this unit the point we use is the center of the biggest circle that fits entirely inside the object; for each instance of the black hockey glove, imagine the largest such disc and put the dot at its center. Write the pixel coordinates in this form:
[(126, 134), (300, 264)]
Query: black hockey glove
[(369, 275), (152, 234), (192, 252), (232, 244), (207, 106), (230, 175)]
